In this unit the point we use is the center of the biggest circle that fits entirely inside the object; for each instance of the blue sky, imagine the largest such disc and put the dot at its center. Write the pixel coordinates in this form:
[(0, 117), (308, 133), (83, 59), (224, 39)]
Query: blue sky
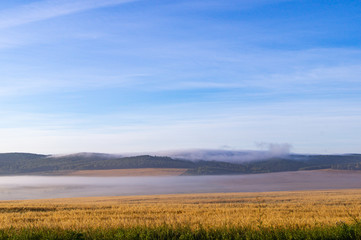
[(134, 76)]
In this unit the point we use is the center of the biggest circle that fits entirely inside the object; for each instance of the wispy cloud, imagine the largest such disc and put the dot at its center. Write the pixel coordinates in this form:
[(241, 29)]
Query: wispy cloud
[(211, 73), (42, 10), (222, 5), (306, 135), (272, 73), (308, 127)]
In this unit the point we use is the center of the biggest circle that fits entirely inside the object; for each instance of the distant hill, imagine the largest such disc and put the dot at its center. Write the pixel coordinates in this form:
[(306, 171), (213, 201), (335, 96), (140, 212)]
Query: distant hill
[(27, 163)]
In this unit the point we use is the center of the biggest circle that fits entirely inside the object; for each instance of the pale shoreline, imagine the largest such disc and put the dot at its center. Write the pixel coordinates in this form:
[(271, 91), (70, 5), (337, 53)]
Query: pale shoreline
[(144, 172), (129, 172)]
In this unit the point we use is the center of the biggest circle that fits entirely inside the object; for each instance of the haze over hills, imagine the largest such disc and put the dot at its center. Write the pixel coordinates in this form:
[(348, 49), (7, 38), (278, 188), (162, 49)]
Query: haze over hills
[(233, 156), (214, 162)]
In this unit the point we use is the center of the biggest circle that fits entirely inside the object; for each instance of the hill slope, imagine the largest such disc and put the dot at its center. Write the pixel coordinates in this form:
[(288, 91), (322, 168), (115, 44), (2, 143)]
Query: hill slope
[(27, 163)]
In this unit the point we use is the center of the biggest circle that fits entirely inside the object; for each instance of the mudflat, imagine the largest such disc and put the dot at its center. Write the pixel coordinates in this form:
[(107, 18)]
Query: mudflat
[(129, 172)]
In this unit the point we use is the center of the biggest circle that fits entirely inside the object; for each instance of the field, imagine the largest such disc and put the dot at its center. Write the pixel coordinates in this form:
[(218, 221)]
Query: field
[(228, 214)]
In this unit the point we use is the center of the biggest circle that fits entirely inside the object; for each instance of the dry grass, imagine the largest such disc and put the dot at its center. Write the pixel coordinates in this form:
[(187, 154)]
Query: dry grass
[(285, 209), (130, 172)]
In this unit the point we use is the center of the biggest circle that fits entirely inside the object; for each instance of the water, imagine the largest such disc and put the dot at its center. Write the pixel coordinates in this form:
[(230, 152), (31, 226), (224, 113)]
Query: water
[(40, 187)]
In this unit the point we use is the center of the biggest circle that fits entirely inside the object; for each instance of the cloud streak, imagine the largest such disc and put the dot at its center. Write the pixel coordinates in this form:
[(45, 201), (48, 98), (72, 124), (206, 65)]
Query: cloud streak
[(178, 75), (43, 10), (308, 130)]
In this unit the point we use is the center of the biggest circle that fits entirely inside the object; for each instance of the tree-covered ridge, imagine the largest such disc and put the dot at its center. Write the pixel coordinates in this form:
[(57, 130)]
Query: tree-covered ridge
[(31, 163), (27, 163)]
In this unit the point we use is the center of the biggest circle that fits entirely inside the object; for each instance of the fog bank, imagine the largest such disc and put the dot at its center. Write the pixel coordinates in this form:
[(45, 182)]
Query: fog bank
[(38, 187), (236, 156)]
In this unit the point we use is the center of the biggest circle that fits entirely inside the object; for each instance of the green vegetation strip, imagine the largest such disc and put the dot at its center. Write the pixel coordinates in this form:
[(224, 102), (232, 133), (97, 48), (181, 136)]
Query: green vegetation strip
[(340, 231)]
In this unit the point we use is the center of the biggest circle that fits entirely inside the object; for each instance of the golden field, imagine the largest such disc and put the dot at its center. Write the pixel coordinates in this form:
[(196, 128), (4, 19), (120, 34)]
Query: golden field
[(285, 209)]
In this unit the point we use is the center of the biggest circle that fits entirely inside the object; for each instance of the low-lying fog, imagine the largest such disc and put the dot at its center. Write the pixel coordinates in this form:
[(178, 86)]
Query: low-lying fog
[(36, 187)]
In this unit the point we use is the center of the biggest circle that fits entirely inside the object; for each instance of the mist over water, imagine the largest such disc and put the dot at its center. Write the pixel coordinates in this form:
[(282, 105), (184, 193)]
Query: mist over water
[(39, 187)]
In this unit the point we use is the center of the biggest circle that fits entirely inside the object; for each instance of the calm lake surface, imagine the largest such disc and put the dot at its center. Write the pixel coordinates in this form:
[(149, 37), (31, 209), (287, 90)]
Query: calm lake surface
[(39, 187)]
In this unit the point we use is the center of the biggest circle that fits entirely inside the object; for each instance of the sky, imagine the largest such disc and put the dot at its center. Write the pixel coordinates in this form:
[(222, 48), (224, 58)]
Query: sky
[(138, 75)]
